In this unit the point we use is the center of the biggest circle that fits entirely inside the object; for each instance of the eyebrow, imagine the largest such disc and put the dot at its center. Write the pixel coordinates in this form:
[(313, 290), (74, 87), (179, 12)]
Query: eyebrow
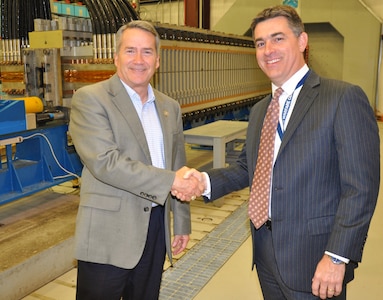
[(272, 35), (134, 47)]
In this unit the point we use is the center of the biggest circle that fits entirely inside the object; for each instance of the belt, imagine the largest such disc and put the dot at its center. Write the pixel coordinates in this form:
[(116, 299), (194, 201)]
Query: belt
[(268, 224)]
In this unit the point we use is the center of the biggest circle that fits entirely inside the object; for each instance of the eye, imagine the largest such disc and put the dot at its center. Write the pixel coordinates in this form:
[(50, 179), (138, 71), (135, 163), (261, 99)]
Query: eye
[(259, 44), (130, 51), (148, 52), (278, 39)]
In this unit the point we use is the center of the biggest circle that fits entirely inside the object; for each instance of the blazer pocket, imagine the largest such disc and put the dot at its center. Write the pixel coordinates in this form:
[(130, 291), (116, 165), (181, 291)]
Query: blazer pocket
[(320, 225), (106, 202)]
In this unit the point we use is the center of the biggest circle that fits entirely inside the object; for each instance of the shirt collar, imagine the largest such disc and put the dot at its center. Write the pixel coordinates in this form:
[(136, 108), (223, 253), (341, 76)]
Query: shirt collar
[(290, 85), (134, 96)]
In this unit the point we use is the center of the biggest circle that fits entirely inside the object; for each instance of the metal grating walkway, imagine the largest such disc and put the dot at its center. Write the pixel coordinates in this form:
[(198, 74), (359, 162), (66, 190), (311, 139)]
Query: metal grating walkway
[(190, 274)]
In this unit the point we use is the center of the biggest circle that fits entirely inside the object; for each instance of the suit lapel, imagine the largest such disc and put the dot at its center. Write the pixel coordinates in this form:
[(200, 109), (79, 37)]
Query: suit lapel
[(123, 102), (303, 104), (255, 128)]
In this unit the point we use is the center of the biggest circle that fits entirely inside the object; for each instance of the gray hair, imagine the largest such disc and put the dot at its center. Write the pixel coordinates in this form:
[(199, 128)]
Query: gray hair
[(143, 25)]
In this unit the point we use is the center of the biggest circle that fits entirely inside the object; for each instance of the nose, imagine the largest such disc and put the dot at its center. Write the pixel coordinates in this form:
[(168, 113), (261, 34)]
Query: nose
[(268, 47), (138, 57)]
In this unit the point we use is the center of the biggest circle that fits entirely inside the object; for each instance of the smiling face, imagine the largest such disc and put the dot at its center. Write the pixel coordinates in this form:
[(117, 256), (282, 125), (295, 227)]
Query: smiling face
[(137, 59), (279, 51)]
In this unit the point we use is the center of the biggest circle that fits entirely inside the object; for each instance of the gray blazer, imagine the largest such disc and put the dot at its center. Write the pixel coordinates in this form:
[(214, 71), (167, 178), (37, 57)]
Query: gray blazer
[(325, 178), (119, 182)]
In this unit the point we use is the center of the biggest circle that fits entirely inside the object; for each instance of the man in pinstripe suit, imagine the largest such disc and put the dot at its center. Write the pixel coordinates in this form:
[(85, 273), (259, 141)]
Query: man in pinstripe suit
[(326, 172)]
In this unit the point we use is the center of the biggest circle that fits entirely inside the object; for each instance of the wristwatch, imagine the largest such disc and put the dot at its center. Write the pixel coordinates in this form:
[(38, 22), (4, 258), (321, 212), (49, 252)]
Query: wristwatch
[(336, 260)]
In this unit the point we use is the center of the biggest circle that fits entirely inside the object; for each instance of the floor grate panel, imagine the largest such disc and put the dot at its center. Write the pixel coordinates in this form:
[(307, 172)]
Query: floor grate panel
[(191, 273)]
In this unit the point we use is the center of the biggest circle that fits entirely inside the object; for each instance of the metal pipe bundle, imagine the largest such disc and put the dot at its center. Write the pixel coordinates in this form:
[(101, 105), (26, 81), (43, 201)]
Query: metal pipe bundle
[(17, 20), (107, 17)]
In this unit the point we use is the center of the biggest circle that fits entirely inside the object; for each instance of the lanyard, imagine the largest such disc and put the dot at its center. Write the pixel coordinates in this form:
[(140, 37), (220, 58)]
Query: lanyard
[(287, 105)]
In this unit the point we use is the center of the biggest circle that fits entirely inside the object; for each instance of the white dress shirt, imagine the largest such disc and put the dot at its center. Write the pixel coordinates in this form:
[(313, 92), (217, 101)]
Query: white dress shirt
[(150, 121)]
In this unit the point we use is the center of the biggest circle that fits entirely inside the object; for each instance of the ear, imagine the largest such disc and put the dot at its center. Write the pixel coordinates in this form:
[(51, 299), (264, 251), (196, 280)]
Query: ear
[(115, 59), (158, 62), (303, 40)]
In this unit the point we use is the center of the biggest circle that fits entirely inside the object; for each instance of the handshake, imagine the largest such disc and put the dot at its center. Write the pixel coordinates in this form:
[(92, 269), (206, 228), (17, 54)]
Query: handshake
[(188, 184)]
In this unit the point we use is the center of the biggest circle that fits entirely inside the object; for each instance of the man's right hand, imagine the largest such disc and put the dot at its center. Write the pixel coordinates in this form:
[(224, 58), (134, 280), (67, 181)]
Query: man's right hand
[(188, 184)]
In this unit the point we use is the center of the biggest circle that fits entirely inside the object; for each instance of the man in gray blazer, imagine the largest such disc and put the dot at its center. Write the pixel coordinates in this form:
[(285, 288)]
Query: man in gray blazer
[(130, 139), (325, 176)]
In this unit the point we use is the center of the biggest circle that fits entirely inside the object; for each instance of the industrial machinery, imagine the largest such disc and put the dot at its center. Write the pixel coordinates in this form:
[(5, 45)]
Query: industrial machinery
[(35, 149), (212, 75), (32, 160)]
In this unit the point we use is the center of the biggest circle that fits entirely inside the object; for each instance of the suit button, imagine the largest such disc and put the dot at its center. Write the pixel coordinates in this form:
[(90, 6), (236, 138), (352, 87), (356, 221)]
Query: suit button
[(146, 209)]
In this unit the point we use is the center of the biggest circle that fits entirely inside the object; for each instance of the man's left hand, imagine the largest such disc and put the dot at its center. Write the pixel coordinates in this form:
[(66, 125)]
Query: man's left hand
[(328, 278), (179, 243)]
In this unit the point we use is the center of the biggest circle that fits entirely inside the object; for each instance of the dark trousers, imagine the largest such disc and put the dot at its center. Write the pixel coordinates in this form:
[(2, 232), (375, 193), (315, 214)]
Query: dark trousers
[(100, 281), (272, 285)]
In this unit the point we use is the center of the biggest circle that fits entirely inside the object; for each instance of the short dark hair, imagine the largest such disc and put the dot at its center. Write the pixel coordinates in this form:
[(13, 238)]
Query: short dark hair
[(293, 19)]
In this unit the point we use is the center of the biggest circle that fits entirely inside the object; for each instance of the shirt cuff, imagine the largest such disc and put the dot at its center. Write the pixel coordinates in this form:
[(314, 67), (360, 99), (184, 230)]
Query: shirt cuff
[(345, 260), (207, 192)]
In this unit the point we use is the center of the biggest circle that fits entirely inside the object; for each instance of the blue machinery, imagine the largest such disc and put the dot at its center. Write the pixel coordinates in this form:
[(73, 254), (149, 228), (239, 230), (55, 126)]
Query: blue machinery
[(32, 160)]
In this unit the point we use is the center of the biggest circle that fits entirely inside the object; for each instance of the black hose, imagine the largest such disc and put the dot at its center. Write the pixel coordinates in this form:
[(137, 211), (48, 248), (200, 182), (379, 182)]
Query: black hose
[(30, 10), (46, 7), (14, 34), (22, 22), (121, 15), (97, 27), (94, 16), (125, 16), (34, 11), (10, 20), (104, 22), (133, 13), (4, 19), (114, 16), (108, 16)]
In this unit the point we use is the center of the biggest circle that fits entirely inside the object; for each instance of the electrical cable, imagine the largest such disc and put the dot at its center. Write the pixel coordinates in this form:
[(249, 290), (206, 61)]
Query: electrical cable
[(3, 17), (7, 25), (110, 36), (54, 156), (121, 16), (38, 9), (96, 27), (5, 29), (23, 33), (134, 15), (107, 15), (31, 15), (99, 11), (47, 13), (17, 56), (113, 15)]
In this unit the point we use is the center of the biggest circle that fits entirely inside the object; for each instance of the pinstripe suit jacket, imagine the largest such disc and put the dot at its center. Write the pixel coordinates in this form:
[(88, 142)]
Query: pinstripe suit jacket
[(325, 177), (119, 182)]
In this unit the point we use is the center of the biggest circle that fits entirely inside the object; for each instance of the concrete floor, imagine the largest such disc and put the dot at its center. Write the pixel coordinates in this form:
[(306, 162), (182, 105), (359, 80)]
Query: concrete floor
[(229, 279)]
